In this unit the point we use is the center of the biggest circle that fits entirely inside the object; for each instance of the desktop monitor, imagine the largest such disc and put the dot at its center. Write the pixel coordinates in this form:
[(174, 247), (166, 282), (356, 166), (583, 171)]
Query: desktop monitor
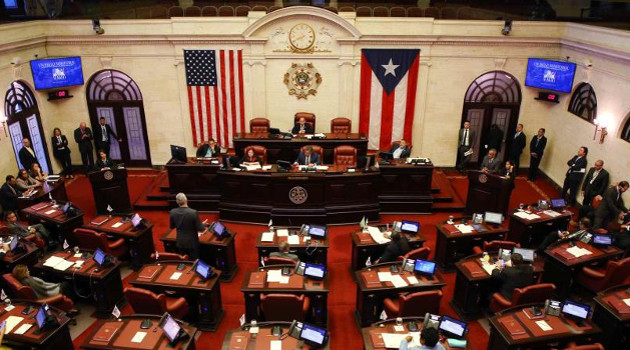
[(40, 317), (575, 310), (284, 165), (493, 218), (424, 267), (171, 328), (452, 327), (314, 271), (14, 242), (313, 336), (558, 203), (178, 153), (410, 226), (602, 240), (386, 155), (317, 231), (99, 257), (274, 131), (203, 270), (136, 220), (528, 254), (219, 229)]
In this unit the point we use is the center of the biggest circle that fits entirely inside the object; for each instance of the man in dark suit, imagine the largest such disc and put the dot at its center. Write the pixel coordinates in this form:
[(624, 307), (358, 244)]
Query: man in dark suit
[(465, 143), (308, 157), (208, 149), (302, 127), (536, 150), (27, 155), (83, 136), (552, 237), (611, 207), (494, 138), (102, 136), (595, 184), (518, 275), (400, 150), (61, 151), (490, 163), (9, 194), (186, 221), (577, 169), (516, 147), (17, 228)]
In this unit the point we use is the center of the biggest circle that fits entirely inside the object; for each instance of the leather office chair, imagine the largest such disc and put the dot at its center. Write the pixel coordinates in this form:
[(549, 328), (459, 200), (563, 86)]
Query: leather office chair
[(164, 256), (420, 253), (89, 239), (536, 293), (597, 280), (259, 125), (284, 307), (494, 246), (146, 302), (308, 117), (341, 126), (21, 291), (192, 11), (595, 346), (5, 231), (317, 149), (278, 260), (413, 304), (259, 151), (345, 155)]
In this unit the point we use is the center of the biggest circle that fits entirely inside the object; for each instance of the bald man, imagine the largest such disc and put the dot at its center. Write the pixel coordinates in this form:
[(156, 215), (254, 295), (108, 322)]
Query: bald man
[(83, 136)]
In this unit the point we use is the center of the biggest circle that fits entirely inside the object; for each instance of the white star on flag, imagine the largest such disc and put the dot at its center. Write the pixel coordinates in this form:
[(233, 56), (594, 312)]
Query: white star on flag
[(390, 68)]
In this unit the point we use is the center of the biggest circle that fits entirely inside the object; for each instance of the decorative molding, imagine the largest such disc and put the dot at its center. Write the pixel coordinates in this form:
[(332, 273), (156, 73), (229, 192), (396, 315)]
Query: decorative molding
[(499, 63), (255, 62), (106, 62), (17, 71)]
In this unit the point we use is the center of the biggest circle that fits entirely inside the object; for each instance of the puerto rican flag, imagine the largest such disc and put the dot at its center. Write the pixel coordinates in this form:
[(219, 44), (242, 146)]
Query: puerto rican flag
[(389, 81)]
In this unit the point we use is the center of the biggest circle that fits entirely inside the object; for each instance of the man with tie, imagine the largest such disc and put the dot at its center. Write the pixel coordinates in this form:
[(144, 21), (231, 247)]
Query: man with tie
[(577, 169), (465, 143), (9, 195), (27, 154), (22, 231), (208, 149), (490, 163), (83, 136), (536, 150), (400, 150), (595, 184), (307, 157), (102, 136), (516, 147), (611, 207), (302, 127)]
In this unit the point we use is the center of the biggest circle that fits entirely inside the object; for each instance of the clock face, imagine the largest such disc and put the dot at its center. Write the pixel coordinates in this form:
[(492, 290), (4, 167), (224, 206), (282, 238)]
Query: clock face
[(302, 37)]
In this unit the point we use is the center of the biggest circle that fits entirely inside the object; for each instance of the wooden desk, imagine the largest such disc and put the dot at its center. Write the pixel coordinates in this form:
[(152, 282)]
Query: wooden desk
[(613, 316), (127, 326), (139, 241), (452, 245), (281, 149), (27, 257), (529, 233), (405, 188), (317, 291), (53, 339), (314, 251), (53, 218), (369, 302), (560, 265), (239, 337), (373, 339), (57, 191), (505, 326), (198, 180), (106, 284), (364, 247), (219, 253), (473, 284), (203, 297)]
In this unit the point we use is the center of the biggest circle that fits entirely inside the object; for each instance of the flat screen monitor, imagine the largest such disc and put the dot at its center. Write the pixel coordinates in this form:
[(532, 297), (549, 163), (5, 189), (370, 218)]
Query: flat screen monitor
[(410, 226), (313, 336), (178, 153), (493, 218), (386, 155), (453, 327), (274, 131), (99, 257), (575, 310), (203, 270), (317, 231), (424, 267), (171, 328), (57, 72), (219, 229), (136, 220), (314, 271), (528, 254), (550, 75), (603, 240), (558, 203), (40, 317), (14, 242)]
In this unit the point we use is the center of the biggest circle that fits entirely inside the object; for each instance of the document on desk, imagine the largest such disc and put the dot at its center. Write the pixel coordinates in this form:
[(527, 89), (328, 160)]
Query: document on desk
[(465, 228), (551, 213), (23, 328), (48, 212), (322, 167), (398, 281), (53, 261), (283, 232), (275, 345), (488, 267), (266, 167), (544, 325), (252, 167), (139, 337), (284, 280), (627, 301), (274, 275), (267, 237), (294, 239), (385, 276), (377, 235), (117, 225), (176, 275), (578, 252), (412, 279), (12, 321), (63, 265), (392, 340)]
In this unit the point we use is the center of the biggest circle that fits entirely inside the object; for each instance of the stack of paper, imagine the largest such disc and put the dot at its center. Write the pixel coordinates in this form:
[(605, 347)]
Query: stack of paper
[(294, 239), (544, 325), (412, 279), (465, 228), (551, 213), (12, 321), (266, 167), (385, 276), (488, 267), (252, 167), (283, 232), (377, 235), (274, 275), (267, 237), (63, 265), (322, 167), (398, 281), (58, 263), (578, 252), (527, 216)]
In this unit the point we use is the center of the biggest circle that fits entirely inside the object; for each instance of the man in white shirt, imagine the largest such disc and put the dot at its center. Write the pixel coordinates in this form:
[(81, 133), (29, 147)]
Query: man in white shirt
[(465, 144), (27, 155), (102, 136), (400, 150)]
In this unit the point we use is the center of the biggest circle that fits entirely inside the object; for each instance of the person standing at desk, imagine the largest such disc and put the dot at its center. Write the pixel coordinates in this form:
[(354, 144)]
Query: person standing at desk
[(104, 162), (83, 136), (397, 247), (611, 207), (516, 147), (515, 274), (536, 150), (186, 221), (102, 136), (577, 168), (251, 158), (490, 163), (208, 149), (302, 127), (308, 157), (9, 194), (27, 154), (284, 252), (429, 340), (61, 151)]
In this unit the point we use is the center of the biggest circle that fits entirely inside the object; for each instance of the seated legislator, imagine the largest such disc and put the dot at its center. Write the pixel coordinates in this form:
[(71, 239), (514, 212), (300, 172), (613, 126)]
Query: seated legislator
[(429, 340), (17, 228), (208, 149), (251, 158), (508, 172), (397, 247), (37, 173), (611, 208), (25, 182), (584, 228), (302, 127), (400, 149), (104, 162), (41, 288), (515, 274), (9, 193), (490, 164), (307, 157), (284, 252)]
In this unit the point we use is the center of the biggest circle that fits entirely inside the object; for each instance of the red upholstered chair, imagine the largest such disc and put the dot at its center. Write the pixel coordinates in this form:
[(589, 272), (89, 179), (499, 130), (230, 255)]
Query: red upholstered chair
[(397, 12), (146, 302), (242, 11), (494, 246), (331, 9), (192, 11), (176, 11), (226, 10), (262, 8), (209, 11), (595, 346), (274, 8), (449, 13), (164, 256), (597, 280), (415, 12), (420, 253), (257, 125), (364, 11), (346, 9), (278, 260), (5, 231), (413, 304), (260, 151), (432, 12), (89, 239), (537, 293), (21, 291), (317, 149), (341, 126), (308, 117), (345, 155), (284, 307), (380, 11)]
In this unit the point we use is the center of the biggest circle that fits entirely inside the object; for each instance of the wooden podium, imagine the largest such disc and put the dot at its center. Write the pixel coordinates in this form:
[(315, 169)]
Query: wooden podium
[(110, 189), (488, 192)]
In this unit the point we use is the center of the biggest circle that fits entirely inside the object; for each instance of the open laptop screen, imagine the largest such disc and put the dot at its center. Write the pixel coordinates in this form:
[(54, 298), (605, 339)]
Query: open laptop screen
[(424, 267), (493, 218), (575, 310), (99, 257), (602, 239), (410, 226), (202, 269), (171, 328), (313, 335), (528, 254), (452, 326), (317, 231), (558, 203), (40, 317), (314, 271)]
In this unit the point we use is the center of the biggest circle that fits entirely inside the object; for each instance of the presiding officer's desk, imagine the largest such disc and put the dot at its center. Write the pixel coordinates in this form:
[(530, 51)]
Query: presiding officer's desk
[(55, 189), (373, 335), (103, 282), (255, 284), (530, 232), (139, 240), (241, 339), (473, 283), (220, 253), (203, 297), (371, 291), (121, 331), (612, 315), (561, 264), (52, 339), (198, 180), (452, 245), (51, 216), (313, 250), (288, 149), (364, 246), (516, 328)]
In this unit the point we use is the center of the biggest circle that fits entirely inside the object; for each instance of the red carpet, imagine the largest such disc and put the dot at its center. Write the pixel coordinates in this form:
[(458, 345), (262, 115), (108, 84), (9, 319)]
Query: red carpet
[(343, 331)]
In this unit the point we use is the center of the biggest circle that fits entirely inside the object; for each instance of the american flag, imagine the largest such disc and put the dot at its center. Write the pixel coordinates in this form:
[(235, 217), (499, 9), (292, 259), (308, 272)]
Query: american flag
[(215, 94), (389, 81)]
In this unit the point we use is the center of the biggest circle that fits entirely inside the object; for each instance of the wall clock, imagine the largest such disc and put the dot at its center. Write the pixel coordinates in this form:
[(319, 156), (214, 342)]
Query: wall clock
[(302, 38)]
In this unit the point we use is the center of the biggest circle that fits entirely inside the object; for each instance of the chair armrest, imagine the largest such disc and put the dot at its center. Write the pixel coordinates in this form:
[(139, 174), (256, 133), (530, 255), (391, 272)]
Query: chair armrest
[(390, 304), (499, 303), (592, 273), (117, 244), (477, 250), (54, 300)]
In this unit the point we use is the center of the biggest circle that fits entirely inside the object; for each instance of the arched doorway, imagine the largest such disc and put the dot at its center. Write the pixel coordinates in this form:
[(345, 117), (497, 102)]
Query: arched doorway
[(492, 98), (113, 95), (23, 119)]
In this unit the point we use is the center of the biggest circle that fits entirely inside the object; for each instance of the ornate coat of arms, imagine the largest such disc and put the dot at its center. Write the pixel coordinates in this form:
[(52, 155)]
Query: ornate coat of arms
[(302, 80)]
